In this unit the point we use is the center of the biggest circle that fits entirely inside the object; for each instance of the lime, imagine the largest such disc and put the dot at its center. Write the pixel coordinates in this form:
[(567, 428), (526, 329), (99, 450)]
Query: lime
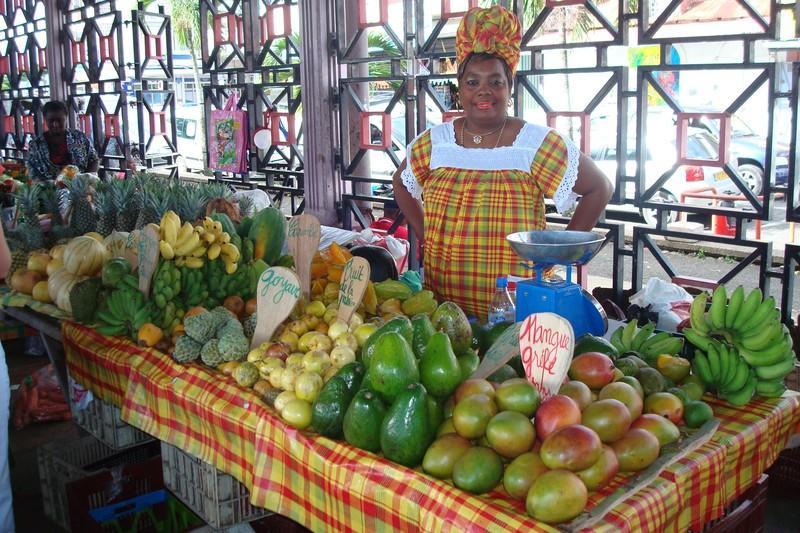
[(697, 413)]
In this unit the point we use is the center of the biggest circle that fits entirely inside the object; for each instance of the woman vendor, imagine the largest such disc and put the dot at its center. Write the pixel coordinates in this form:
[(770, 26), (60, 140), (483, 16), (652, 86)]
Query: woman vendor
[(59, 146), (485, 175)]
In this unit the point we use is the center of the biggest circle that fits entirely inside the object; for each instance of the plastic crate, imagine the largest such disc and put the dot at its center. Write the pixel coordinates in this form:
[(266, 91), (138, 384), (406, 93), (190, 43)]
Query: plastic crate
[(218, 498), (784, 474), (746, 513), (104, 421), (132, 498), (61, 463)]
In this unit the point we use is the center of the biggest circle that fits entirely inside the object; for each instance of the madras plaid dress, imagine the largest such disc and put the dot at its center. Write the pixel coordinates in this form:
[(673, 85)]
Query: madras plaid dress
[(474, 197)]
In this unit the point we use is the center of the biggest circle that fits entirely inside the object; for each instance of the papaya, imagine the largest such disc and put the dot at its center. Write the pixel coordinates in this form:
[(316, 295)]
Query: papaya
[(268, 232)]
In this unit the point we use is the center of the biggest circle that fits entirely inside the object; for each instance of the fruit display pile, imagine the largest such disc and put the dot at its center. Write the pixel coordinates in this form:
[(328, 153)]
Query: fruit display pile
[(743, 348)]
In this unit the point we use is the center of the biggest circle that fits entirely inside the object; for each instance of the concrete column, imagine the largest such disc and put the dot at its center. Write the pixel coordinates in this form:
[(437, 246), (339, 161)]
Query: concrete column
[(323, 185)]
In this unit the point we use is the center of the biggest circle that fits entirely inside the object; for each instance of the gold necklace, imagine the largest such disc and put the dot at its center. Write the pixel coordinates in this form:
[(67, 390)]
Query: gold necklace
[(478, 139)]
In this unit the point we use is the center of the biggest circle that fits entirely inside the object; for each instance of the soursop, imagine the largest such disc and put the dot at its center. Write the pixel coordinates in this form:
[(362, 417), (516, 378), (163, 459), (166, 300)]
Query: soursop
[(233, 346), (249, 326), (186, 349), (200, 327), (210, 353)]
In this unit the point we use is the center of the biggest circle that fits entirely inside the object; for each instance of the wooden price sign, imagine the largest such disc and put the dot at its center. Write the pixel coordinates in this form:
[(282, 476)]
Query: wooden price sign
[(148, 258), (502, 351), (303, 234), (546, 341), (277, 292), (352, 286)]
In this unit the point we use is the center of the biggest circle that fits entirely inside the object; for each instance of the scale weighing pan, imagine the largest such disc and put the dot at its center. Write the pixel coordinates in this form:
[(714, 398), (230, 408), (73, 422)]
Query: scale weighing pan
[(556, 247), (546, 248)]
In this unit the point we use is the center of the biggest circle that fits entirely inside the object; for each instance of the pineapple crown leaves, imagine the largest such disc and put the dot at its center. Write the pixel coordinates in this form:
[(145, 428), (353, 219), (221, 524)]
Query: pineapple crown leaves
[(104, 199), (246, 205), (27, 197), (215, 189), (189, 201)]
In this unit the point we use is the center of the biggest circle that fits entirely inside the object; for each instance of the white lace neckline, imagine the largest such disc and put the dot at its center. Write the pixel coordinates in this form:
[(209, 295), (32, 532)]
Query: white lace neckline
[(451, 134)]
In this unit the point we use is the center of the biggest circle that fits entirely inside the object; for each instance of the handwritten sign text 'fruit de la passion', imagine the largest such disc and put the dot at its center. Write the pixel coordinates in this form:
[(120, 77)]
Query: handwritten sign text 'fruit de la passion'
[(276, 295), (546, 341), (355, 278)]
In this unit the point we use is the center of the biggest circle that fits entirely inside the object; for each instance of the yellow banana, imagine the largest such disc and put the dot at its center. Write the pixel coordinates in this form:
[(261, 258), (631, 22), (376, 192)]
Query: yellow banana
[(186, 231), (225, 238), (200, 251), (200, 230), (230, 251), (166, 250), (209, 237), (213, 251), (179, 261), (231, 267), (217, 227), (208, 223), (194, 262), (188, 245)]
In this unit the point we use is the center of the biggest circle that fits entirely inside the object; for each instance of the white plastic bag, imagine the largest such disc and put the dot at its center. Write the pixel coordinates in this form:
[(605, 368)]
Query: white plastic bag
[(670, 301)]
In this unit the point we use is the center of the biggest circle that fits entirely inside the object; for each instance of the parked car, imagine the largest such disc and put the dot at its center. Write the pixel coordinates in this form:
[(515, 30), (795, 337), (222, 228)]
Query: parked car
[(187, 125), (750, 150), (660, 157)]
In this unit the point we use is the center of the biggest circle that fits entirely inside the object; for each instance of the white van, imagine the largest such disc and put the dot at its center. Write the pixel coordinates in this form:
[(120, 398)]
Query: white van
[(189, 138)]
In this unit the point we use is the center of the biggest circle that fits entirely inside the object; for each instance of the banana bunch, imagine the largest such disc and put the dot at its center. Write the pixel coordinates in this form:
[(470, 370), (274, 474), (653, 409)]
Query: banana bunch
[(752, 325), (182, 243), (644, 341), (220, 245), (126, 311), (723, 368)]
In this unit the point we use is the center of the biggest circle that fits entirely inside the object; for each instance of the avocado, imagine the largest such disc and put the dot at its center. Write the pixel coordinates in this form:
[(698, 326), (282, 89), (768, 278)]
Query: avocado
[(423, 330), (327, 414), (363, 419), (491, 334), (450, 319), (438, 368), (627, 366), (392, 366), (406, 432), (651, 380), (502, 374), (593, 343), (399, 324), (468, 362), (435, 411)]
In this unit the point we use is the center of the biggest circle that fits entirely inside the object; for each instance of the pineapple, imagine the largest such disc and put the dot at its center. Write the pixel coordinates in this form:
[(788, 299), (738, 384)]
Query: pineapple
[(51, 203), (125, 205), (82, 216), (106, 208), (156, 200), (215, 189), (245, 206), (189, 202), (28, 232)]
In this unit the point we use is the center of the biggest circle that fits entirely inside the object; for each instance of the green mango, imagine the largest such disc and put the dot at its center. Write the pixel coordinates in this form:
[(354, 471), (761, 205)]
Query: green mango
[(399, 324), (423, 331), (393, 366), (438, 367), (406, 432), (362, 421), (450, 319)]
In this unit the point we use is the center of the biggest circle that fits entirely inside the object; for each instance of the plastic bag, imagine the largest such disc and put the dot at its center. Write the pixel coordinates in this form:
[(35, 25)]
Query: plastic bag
[(671, 302), (40, 399), (227, 143)]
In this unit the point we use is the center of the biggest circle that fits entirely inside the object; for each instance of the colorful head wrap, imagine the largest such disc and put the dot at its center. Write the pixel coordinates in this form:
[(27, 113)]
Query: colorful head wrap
[(493, 30)]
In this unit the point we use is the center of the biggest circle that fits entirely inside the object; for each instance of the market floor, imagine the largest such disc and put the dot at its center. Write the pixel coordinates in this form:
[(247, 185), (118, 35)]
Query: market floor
[(782, 513)]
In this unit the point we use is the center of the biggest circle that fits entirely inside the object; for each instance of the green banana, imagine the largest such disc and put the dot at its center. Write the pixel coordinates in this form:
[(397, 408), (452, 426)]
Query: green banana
[(697, 339), (745, 394), (642, 335), (749, 307), (771, 388), (112, 331), (713, 361), (719, 302), (616, 339), (628, 334), (671, 346), (654, 340), (760, 316), (768, 356), (761, 338), (737, 299), (739, 378), (779, 369), (697, 314), (700, 367), (724, 365), (109, 318)]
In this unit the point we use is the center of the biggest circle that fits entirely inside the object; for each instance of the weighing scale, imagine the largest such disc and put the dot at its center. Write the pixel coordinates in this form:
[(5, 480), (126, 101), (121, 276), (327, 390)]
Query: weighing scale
[(547, 248)]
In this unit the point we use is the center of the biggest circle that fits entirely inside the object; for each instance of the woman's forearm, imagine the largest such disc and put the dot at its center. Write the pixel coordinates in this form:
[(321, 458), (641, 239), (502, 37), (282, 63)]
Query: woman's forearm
[(410, 206), (5, 255), (589, 210)]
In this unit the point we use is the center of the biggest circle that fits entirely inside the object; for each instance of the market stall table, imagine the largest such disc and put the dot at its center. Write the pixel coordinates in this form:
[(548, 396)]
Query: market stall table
[(327, 485)]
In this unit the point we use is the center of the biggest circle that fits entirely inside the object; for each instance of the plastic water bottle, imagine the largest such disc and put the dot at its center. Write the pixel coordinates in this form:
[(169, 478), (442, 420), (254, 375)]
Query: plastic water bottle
[(502, 307)]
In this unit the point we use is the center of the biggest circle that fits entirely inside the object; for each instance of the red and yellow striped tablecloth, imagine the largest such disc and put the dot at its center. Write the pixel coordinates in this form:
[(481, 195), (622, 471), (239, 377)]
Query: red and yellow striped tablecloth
[(330, 486)]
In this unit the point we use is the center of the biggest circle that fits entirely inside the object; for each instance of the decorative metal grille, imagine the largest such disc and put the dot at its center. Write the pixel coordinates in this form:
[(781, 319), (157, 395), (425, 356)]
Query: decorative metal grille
[(640, 67)]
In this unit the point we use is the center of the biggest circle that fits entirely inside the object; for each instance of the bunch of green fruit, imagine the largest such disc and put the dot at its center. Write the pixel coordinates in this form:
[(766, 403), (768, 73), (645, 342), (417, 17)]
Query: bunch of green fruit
[(645, 341), (751, 327)]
